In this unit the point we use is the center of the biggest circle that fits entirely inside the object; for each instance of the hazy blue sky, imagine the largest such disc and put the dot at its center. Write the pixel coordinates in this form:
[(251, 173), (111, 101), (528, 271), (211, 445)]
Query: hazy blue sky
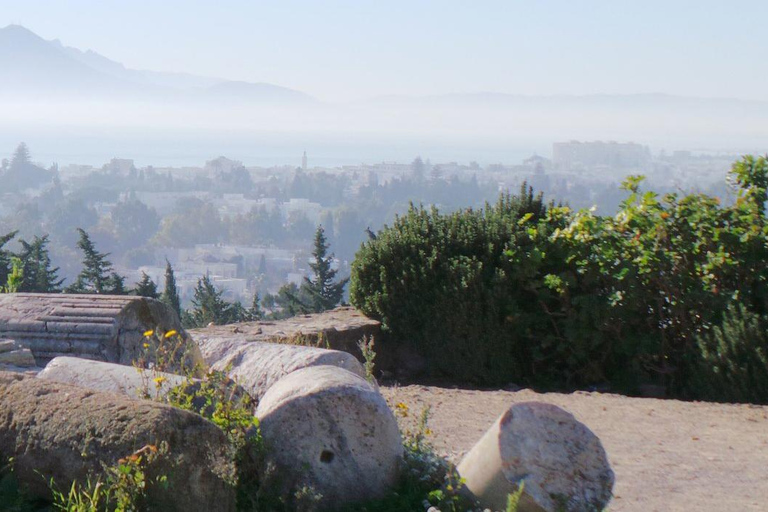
[(339, 50)]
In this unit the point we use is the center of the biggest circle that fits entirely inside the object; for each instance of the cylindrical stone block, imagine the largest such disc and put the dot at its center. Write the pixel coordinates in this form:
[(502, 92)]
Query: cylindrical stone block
[(561, 462), (257, 365), (140, 383), (110, 377), (327, 428)]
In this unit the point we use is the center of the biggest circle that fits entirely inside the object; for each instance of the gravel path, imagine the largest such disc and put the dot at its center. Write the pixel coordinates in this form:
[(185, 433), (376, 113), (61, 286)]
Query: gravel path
[(667, 455)]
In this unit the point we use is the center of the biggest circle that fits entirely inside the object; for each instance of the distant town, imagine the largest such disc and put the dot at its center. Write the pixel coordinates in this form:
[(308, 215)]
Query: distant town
[(250, 229)]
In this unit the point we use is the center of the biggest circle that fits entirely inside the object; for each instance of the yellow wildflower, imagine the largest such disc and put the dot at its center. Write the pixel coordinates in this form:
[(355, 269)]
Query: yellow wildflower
[(159, 380), (146, 345), (148, 333), (170, 333)]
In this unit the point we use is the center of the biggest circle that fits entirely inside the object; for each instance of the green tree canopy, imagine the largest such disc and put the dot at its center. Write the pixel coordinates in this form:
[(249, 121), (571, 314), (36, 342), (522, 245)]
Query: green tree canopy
[(322, 290), (22, 173), (97, 275), (133, 223), (39, 276), (208, 306), (146, 287), (5, 256)]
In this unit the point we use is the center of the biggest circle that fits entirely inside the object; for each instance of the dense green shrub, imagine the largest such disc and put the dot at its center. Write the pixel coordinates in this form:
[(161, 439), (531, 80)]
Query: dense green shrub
[(548, 296), (733, 366), (445, 284)]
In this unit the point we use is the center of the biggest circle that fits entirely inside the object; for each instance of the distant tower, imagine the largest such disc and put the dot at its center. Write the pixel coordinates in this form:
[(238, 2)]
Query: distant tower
[(304, 161)]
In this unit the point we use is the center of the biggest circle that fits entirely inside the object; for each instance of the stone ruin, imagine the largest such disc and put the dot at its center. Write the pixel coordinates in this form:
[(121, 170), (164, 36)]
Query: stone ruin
[(338, 329), (562, 463), (100, 327), (323, 424), (258, 365)]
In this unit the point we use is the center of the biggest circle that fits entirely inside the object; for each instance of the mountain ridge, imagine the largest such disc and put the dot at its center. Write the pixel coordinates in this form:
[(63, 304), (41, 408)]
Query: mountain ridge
[(87, 73), (31, 64)]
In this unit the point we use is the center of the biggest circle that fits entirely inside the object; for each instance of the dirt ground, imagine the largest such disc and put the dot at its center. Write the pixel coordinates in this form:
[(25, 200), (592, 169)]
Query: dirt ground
[(667, 455)]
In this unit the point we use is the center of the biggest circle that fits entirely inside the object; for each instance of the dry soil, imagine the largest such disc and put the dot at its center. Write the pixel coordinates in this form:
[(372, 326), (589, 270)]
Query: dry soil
[(668, 455)]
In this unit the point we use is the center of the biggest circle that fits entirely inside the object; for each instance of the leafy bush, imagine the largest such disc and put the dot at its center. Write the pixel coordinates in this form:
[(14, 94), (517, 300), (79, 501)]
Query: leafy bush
[(444, 284), (557, 298), (733, 366)]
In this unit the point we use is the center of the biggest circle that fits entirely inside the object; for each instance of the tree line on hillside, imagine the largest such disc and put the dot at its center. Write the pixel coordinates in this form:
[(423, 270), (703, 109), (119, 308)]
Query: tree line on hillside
[(31, 270), (670, 293)]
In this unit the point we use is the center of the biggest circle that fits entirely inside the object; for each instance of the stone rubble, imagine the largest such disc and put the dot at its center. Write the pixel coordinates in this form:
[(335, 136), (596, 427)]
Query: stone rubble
[(257, 366), (101, 327)]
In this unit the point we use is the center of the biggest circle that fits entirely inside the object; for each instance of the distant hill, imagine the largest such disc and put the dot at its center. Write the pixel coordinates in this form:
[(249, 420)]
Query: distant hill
[(259, 92), (118, 70), (32, 66)]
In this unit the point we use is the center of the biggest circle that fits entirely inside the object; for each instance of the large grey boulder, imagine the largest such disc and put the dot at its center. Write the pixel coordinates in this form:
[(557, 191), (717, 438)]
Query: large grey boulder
[(562, 463), (257, 366), (110, 377), (66, 433), (101, 327), (329, 429)]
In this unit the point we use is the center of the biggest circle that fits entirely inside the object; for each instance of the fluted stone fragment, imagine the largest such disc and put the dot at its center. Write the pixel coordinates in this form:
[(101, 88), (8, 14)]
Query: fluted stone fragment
[(100, 327)]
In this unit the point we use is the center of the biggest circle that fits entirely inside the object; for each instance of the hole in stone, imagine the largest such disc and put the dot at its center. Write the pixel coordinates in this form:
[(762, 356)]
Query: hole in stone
[(326, 456)]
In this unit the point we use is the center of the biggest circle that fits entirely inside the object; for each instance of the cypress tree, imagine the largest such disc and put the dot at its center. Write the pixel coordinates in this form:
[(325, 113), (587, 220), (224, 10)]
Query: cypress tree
[(171, 293), (255, 312)]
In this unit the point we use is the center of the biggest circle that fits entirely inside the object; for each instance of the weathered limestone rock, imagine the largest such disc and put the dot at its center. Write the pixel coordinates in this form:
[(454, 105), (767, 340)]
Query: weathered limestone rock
[(340, 328), (8, 346), (328, 428), (258, 365), (562, 463), (101, 327), (66, 432), (133, 383), (110, 377), (13, 354)]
